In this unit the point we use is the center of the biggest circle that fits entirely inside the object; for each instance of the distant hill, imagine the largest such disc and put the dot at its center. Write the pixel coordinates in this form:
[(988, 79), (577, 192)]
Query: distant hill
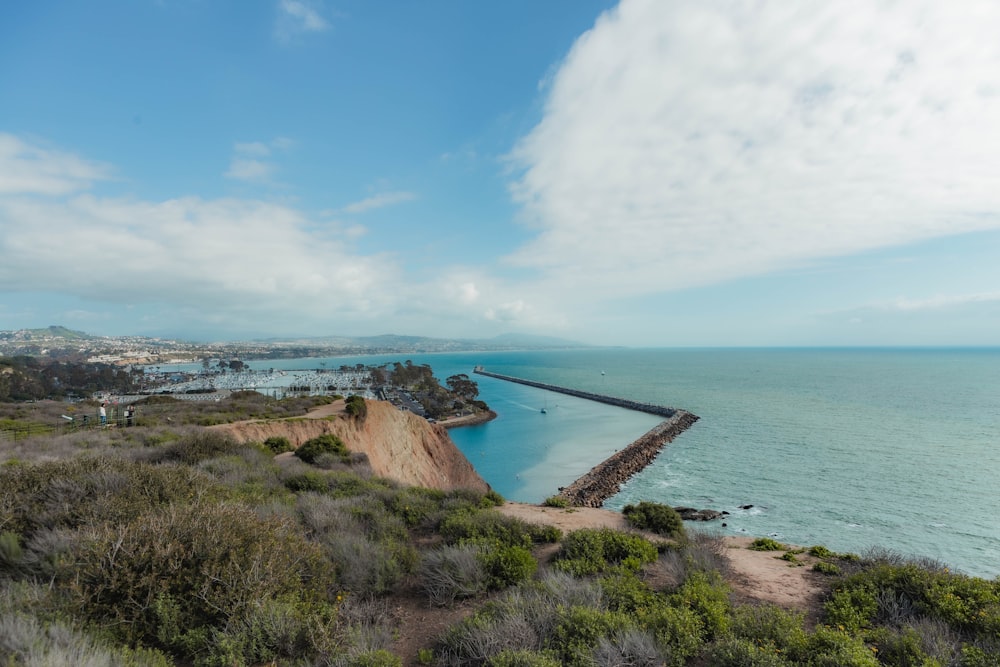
[(61, 342)]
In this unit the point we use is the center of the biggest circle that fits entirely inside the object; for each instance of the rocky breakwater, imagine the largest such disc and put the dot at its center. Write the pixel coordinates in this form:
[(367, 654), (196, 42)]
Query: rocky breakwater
[(399, 445), (605, 479), (649, 408)]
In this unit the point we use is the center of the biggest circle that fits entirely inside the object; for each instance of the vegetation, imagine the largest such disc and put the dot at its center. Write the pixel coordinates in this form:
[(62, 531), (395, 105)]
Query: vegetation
[(655, 517), (168, 545)]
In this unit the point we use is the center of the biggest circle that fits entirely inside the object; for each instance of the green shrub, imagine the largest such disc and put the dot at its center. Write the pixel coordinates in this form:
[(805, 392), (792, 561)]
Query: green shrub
[(655, 517), (307, 481), (492, 525), (769, 626), (11, 551), (278, 444), (851, 608), (88, 490), (311, 449), (591, 551), (171, 577), (826, 568), (492, 499), (766, 544), (707, 595), (579, 629), (556, 501), (506, 565), (819, 551), (738, 652), (828, 647), (377, 658), (356, 407), (201, 445)]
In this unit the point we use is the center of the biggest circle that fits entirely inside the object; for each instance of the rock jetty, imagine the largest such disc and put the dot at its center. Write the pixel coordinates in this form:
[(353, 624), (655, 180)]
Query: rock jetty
[(659, 410), (605, 479)]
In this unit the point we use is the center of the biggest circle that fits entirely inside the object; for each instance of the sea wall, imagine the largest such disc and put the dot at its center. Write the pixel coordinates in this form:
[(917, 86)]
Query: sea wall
[(605, 479), (659, 410)]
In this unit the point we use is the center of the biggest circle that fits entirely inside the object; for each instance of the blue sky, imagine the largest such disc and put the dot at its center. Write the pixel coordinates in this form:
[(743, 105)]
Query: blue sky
[(649, 173)]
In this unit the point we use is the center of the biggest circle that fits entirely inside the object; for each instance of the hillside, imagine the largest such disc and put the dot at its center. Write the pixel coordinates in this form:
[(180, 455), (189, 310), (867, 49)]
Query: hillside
[(400, 445)]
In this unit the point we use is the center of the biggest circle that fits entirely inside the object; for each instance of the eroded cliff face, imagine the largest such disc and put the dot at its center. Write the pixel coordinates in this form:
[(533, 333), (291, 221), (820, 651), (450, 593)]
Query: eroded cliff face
[(400, 445)]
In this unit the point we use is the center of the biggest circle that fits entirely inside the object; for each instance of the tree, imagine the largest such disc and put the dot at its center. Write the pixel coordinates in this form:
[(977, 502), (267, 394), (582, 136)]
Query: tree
[(461, 384)]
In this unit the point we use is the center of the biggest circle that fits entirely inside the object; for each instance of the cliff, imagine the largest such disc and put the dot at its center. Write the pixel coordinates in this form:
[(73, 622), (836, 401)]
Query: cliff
[(399, 445)]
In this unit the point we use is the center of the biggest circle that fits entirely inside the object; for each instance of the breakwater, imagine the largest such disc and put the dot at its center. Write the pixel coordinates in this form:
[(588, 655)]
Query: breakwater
[(659, 410), (605, 479)]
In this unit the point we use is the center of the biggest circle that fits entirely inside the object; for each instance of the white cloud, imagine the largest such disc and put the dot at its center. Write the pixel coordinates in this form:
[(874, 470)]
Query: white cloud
[(30, 169), (689, 143), (252, 148), (254, 171), (250, 163), (298, 16), (379, 201), (944, 301)]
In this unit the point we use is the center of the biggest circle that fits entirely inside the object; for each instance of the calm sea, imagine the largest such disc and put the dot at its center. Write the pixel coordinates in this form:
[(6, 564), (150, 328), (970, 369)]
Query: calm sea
[(849, 448)]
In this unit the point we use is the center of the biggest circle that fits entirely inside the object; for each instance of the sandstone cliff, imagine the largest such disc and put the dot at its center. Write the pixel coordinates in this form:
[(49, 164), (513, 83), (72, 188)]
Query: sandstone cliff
[(399, 445)]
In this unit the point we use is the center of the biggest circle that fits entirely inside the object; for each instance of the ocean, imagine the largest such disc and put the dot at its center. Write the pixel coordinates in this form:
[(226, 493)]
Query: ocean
[(848, 448)]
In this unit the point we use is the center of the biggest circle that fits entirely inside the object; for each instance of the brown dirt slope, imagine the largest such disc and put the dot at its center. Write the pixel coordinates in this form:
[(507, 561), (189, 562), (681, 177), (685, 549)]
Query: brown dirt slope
[(399, 445)]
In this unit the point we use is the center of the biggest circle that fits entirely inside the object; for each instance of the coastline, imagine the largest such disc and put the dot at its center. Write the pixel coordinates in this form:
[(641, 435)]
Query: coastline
[(468, 420)]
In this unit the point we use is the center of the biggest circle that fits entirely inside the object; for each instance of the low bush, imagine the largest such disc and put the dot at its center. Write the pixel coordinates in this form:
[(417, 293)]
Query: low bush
[(732, 651), (491, 525), (655, 517), (823, 567), (556, 501), (819, 551), (170, 578), (278, 444), (766, 544), (311, 449), (578, 632), (506, 565), (769, 626), (707, 595), (452, 572), (592, 551), (356, 407), (201, 445)]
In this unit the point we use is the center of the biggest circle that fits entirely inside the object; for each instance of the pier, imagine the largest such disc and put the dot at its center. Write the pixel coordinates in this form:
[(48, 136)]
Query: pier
[(605, 479)]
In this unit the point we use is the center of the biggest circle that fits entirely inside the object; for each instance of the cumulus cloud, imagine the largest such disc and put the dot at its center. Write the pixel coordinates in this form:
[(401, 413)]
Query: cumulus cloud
[(31, 169), (226, 264), (684, 144), (379, 201)]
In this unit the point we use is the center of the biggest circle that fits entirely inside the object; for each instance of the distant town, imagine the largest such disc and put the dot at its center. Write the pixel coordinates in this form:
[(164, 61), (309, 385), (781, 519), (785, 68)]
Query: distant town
[(63, 344)]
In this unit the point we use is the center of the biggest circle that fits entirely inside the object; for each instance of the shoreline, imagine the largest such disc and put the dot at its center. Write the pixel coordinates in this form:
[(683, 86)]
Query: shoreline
[(468, 420)]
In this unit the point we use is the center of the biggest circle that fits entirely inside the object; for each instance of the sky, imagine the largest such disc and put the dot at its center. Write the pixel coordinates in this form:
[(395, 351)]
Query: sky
[(651, 173)]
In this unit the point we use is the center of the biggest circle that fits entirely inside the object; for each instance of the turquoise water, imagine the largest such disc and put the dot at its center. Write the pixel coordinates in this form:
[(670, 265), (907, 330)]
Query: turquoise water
[(847, 448)]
